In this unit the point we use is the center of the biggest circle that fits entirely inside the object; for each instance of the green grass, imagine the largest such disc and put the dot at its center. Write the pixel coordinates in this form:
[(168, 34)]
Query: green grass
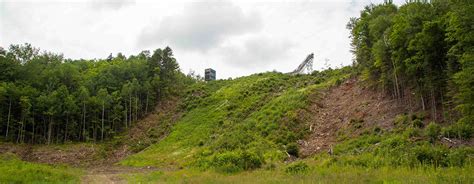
[(240, 124), (13, 170), (315, 174)]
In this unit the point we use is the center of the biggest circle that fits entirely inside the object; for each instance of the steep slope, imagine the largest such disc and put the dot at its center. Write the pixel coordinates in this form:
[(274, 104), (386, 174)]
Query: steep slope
[(347, 106), (239, 124)]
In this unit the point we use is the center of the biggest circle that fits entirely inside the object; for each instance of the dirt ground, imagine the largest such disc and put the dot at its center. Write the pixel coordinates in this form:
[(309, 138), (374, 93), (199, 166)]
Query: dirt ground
[(343, 106)]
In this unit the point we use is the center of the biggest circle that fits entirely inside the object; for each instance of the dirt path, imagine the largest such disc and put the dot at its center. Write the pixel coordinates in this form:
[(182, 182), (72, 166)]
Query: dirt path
[(111, 174)]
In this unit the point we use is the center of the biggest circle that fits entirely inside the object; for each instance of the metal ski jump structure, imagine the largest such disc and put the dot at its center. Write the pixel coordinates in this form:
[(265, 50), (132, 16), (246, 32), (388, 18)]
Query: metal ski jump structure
[(306, 65)]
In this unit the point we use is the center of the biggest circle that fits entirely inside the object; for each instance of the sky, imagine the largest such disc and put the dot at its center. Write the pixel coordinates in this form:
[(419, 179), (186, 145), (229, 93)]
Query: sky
[(234, 37)]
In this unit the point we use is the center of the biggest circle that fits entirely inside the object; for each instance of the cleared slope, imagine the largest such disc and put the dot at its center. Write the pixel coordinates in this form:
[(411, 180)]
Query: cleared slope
[(344, 107), (239, 124)]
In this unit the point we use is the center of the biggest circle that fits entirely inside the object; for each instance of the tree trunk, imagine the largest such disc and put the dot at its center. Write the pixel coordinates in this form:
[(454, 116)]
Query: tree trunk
[(146, 107), (102, 129), (136, 108), (33, 136), (130, 106), (126, 115), (423, 102), (397, 91), (65, 131), (433, 104), (18, 136), (50, 126), (83, 121), (8, 121)]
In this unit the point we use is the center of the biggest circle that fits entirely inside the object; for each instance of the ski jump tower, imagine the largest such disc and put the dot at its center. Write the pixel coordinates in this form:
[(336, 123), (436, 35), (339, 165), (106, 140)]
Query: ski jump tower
[(306, 65)]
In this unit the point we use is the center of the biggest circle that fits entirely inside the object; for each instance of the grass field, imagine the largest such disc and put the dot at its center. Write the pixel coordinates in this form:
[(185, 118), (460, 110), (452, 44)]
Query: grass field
[(13, 170), (315, 174)]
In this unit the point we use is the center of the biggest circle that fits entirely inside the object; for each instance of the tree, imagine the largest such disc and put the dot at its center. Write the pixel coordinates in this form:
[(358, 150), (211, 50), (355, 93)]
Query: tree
[(70, 107), (83, 98), (55, 99), (104, 99)]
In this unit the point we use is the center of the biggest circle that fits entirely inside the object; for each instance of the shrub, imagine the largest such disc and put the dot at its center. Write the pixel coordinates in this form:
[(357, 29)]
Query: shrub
[(292, 149), (401, 120), (430, 155), (235, 161), (433, 130), (419, 116), (459, 130), (297, 168), (417, 123), (458, 157), (411, 132), (377, 130)]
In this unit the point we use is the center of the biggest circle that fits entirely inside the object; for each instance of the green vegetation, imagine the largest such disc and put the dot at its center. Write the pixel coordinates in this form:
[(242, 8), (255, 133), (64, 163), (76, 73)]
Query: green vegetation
[(315, 174), (423, 50), (246, 130), (13, 170), (45, 98), (241, 124)]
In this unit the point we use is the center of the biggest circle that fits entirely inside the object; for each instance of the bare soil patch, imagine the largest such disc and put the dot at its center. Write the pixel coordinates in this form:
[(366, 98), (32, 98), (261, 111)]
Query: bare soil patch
[(347, 105)]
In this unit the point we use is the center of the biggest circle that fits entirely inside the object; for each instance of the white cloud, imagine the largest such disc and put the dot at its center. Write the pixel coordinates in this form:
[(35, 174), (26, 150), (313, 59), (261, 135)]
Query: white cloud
[(110, 4), (201, 26), (255, 52)]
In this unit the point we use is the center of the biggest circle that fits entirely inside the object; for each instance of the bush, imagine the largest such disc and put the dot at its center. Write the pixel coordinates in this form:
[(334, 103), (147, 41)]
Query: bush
[(458, 157), (297, 168), (292, 149), (430, 155), (417, 123), (433, 130), (412, 132), (458, 130), (401, 120), (235, 161)]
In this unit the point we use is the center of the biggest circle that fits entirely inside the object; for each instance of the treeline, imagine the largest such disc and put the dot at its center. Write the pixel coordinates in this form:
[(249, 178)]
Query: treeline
[(45, 98), (422, 49)]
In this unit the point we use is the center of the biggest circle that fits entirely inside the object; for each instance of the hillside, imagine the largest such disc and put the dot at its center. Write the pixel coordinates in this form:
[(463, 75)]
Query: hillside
[(403, 112), (256, 118), (269, 122)]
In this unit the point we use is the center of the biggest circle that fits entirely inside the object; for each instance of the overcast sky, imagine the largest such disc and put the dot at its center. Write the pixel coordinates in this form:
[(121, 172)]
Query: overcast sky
[(236, 38)]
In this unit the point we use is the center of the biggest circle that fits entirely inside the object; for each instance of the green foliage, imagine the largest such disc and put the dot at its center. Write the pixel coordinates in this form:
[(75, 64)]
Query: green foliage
[(297, 168), (401, 119), (422, 50), (235, 161), (459, 130), (433, 130), (398, 150), (417, 123), (80, 100), (13, 170), (292, 149)]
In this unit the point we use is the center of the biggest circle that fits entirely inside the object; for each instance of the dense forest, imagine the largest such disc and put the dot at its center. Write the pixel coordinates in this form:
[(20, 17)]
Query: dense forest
[(45, 98), (421, 53)]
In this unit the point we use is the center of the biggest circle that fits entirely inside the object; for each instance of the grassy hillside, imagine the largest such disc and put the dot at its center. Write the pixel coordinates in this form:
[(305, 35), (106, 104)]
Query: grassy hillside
[(241, 124), (245, 130)]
